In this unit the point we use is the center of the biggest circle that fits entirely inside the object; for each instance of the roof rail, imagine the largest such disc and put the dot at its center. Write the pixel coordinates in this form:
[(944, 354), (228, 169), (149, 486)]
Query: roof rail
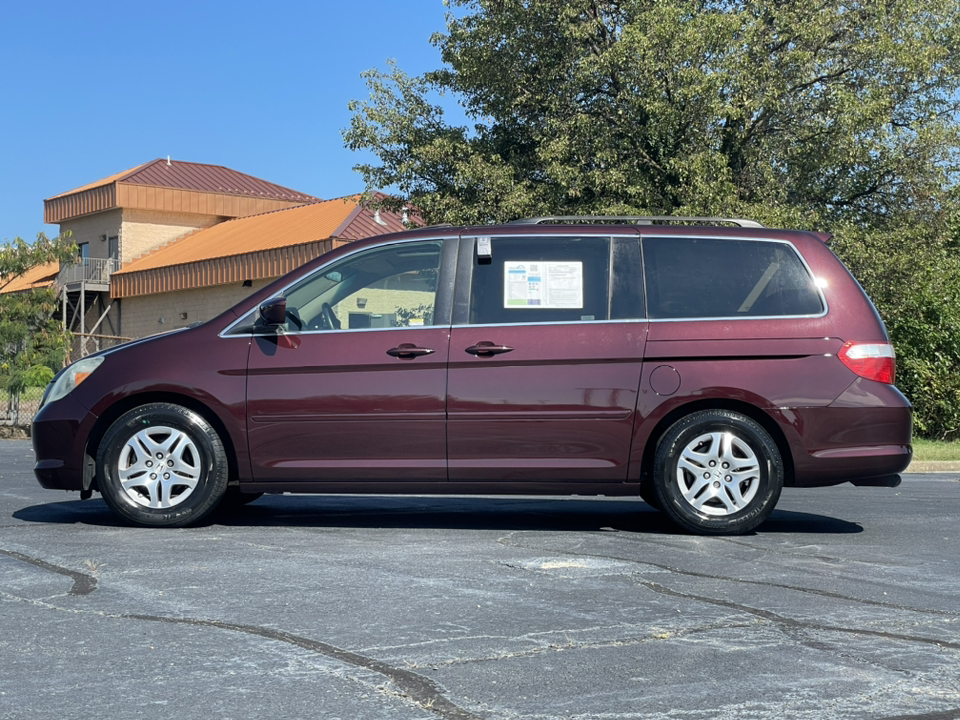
[(634, 220)]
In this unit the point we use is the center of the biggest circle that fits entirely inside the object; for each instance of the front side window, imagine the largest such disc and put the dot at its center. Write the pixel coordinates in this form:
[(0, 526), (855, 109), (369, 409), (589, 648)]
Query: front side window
[(385, 287), (547, 279), (720, 278)]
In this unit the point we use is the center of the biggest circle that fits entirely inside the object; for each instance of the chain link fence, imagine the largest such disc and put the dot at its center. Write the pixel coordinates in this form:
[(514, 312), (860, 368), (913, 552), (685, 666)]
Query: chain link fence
[(87, 343), (19, 408)]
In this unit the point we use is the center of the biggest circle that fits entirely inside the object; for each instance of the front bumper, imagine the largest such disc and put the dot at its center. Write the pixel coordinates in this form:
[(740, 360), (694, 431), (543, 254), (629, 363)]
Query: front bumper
[(60, 432)]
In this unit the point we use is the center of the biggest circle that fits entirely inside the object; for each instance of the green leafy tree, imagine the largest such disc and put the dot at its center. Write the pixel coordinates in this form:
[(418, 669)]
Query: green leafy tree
[(912, 273), (819, 115), (31, 339), (588, 106)]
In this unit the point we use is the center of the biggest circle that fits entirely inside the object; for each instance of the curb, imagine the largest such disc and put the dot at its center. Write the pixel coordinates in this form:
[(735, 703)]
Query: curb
[(933, 466)]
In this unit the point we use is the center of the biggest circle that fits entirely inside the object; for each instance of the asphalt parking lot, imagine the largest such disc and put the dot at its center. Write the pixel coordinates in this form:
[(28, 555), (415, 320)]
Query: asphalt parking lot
[(845, 604)]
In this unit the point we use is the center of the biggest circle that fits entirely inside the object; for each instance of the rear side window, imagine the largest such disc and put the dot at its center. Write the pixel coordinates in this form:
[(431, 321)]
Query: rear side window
[(553, 279), (713, 278)]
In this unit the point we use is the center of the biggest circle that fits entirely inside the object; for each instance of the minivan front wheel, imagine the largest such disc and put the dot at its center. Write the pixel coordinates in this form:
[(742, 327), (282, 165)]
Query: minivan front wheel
[(162, 465), (718, 472)]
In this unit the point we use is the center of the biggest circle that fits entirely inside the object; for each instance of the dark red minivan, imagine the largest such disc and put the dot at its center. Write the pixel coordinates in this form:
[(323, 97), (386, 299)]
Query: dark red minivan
[(701, 365)]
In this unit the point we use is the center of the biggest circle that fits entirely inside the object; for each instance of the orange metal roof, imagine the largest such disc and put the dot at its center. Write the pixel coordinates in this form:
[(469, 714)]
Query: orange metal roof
[(278, 229), (181, 175), (40, 276), (253, 247)]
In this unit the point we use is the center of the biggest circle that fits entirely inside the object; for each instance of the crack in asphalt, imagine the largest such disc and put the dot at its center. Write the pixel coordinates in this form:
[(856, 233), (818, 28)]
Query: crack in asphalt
[(781, 620), (727, 578), (792, 552), (540, 635), (83, 584), (596, 645), (803, 639), (798, 624), (411, 686)]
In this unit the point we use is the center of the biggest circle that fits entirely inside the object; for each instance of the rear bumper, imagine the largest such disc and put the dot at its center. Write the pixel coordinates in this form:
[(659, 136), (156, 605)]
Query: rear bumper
[(865, 434), (60, 432), (858, 465)]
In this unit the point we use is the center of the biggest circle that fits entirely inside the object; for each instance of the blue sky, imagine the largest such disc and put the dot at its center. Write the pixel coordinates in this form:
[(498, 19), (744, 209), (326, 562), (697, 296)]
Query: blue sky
[(92, 89)]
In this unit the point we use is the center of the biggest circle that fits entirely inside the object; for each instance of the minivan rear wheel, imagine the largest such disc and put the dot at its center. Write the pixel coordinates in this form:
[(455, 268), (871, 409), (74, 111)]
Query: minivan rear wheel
[(717, 472), (162, 465)]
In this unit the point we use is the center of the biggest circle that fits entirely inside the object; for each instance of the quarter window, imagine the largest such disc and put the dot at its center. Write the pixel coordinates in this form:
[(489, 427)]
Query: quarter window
[(712, 277)]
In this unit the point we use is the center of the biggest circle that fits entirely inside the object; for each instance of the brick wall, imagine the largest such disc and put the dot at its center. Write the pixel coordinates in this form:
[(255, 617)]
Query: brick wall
[(90, 228), (141, 315), (146, 230), (140, 231)]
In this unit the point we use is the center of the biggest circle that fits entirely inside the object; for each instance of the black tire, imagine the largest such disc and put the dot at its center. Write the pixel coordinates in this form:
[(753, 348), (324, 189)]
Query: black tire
[(717, 472), (183, 449)]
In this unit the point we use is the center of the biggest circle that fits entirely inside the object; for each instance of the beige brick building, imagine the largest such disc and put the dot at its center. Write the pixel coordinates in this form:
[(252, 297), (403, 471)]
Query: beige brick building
[(170, 243)]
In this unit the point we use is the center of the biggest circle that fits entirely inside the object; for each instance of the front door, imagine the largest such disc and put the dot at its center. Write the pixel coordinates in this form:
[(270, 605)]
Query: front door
[(354, 388)]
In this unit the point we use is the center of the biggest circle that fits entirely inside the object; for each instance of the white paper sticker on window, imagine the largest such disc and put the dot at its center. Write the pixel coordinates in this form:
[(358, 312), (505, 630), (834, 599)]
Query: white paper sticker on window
[(543, 284)]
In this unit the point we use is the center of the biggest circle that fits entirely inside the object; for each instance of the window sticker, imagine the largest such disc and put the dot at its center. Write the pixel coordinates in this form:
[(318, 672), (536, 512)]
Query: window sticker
[(539, 284)]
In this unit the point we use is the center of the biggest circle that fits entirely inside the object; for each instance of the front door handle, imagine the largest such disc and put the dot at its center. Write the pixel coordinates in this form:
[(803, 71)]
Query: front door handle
[(487, 349), (409, 350)]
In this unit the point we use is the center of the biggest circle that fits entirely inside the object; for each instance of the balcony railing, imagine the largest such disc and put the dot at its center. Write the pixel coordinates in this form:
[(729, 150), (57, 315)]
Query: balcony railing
[(91, 270)]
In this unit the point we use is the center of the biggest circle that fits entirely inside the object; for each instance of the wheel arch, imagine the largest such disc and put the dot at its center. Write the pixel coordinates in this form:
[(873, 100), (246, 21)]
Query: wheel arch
[(744, 408), (113, 413)]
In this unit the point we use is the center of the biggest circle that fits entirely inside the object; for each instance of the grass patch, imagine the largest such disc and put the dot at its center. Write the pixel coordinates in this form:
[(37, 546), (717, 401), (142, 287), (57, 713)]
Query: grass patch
[(934, 450)]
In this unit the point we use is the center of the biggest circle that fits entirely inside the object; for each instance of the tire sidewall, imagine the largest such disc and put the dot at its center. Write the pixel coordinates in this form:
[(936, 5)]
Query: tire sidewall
[(679, 435), (213, 475)]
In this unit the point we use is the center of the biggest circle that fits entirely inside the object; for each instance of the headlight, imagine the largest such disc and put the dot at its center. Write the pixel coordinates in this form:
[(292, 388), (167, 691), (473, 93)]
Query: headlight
[(72, 376)]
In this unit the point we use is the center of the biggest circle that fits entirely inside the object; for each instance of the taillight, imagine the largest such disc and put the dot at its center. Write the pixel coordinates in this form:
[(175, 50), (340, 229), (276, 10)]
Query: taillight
[(873, 361)]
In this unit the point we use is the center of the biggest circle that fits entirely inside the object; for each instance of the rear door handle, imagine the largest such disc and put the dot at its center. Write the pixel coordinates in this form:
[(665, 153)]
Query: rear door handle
[(486, 349), (409, 350)]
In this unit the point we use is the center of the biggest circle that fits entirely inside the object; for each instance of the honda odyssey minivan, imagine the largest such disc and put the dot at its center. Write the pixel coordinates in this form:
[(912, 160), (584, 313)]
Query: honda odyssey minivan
[(701, 365)]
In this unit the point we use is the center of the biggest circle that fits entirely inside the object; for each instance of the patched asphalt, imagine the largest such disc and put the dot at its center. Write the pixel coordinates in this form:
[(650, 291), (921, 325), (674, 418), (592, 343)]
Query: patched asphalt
[(845, 604)]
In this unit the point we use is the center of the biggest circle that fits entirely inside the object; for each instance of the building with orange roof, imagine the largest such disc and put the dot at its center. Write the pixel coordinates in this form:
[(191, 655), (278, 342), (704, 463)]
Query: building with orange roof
[(207, 271), (38, 277), (168, 243)]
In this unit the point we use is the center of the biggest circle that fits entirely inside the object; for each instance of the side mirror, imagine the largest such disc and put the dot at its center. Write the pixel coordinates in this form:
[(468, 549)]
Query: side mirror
[(273, 312)]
